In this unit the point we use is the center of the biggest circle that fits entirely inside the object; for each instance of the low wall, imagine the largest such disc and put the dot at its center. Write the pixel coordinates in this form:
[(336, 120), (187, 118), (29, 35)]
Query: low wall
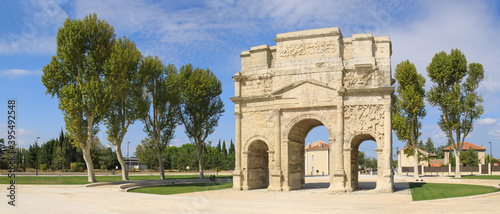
[(445, 170)]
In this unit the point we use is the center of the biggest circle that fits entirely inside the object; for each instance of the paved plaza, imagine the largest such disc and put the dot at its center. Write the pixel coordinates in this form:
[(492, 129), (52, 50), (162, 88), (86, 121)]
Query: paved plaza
[(314, 199)]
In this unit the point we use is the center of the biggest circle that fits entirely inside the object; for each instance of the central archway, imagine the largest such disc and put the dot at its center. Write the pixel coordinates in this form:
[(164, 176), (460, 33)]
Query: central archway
[(295, 136)]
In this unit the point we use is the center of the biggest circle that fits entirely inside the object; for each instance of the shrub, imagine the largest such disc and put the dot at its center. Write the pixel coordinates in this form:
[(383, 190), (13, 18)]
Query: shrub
[(103, 167), (81, 167), (43, 167), (74, 167)]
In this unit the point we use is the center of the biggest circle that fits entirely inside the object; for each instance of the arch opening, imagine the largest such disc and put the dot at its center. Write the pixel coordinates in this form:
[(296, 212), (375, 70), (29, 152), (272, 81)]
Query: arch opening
[(258, 165), (305, 133), (364, 162)]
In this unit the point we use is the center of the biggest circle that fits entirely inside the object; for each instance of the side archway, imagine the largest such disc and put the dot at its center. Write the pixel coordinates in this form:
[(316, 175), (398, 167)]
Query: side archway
[(257, 164), (352, 151)]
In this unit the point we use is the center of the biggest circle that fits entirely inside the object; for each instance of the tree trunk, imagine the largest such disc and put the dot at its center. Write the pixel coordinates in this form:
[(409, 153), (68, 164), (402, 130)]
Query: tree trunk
[(160, 160), (457, 164), (88, 160), (122, 162), (415, 163), (200, 159)]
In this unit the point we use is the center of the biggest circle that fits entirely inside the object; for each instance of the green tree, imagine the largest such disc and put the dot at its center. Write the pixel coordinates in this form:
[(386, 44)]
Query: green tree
[(3, 151), (162, 112), (43, 154), (361, 159), (429, 146), (409, 108), (219, 159), (106, 158), (224, 154), (172, 154), (77, 75), (470, 157), (421, 144), (59, 158), (230, 157), (188, 157), (454, 92), (201, 105), (130, 105), (146, 152)]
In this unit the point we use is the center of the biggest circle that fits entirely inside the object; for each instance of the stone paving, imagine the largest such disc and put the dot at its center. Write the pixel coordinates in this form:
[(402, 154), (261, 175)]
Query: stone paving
[(108, 199)]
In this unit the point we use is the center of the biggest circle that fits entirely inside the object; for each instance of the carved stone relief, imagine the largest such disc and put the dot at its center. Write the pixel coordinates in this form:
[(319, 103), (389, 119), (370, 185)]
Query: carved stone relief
[(259, 85), (306, 48), (361, 118), (357, 78)]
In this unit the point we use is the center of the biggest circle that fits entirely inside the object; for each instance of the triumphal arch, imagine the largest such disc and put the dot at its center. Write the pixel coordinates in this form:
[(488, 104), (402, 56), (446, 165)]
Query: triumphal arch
[(312, 78)]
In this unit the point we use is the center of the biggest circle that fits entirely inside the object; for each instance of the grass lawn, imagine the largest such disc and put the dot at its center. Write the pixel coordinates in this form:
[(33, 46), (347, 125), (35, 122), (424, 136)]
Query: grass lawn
[(430, 191), (83, 179), (492, 177), (183, 188)]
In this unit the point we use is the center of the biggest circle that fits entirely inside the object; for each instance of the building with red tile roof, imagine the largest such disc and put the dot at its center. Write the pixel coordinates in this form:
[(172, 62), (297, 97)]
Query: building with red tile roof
[(466, 146), (407, 161), (316, 158)]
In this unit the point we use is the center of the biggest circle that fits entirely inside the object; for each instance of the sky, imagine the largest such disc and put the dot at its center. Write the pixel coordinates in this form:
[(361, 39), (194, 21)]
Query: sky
[(213, 33)]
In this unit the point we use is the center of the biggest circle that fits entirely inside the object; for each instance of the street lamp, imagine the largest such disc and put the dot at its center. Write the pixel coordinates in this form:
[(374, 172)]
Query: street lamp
[(37, 150), (489, 159), (128, 157)]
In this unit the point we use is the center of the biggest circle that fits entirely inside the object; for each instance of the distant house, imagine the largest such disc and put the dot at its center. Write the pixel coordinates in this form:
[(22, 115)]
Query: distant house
[(436, 162), (407, 161), (316, 156), (480, 151), (134, 163)]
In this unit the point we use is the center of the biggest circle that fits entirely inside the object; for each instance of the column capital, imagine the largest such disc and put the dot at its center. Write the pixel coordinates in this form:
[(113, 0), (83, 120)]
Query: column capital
[(238, 115)]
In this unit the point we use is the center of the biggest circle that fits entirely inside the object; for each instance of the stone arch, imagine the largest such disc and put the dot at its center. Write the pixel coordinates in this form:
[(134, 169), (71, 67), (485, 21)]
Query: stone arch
[(293, 130), (295, 133), (257, 165), (256, 138), (362, 136), (312, 78), (352, 151)]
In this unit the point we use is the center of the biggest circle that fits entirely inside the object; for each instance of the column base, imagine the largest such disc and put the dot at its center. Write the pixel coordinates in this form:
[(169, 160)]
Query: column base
[(274, 188), (385, 185), (246, 188), (237, 180), (338, 183), (286, 188), (276, 181)]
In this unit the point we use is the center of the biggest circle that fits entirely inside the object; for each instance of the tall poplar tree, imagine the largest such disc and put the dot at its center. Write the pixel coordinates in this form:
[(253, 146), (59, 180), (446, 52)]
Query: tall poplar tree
[(409, 108), (201, 105), (130, 105), (77, 76), (455, 94), (162, 109)]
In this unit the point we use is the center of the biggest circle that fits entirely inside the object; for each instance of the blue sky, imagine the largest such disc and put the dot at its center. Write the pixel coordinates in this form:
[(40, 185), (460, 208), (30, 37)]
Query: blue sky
[(213, 33)]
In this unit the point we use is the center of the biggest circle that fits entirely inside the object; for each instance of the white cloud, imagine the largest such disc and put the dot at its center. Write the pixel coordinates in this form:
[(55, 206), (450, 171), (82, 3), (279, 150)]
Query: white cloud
[(495, 133), (486, 121), (19, 72), (36, 34), (468, 26), (177, 142), (30, 46)]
